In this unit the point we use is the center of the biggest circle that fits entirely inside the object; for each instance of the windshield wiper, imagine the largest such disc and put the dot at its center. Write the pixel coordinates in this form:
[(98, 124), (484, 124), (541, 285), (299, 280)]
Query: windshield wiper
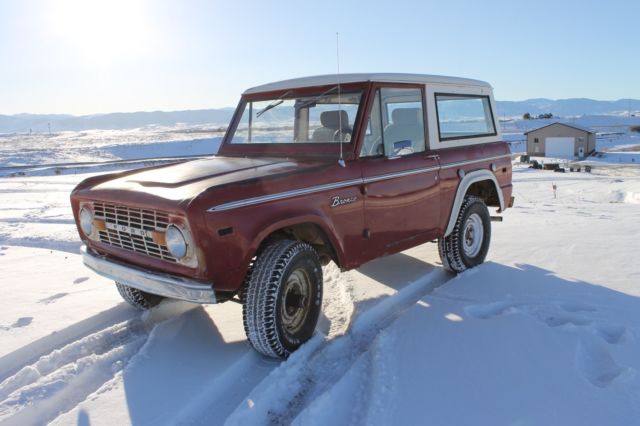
[(273, 104), (315, 99)]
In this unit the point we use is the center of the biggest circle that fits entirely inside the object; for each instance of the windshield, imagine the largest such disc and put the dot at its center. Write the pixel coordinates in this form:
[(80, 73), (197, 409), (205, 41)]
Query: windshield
[(322, 117)]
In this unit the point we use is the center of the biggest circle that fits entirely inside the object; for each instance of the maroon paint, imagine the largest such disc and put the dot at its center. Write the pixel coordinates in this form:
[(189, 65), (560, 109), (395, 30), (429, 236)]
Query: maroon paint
[(398, 213)]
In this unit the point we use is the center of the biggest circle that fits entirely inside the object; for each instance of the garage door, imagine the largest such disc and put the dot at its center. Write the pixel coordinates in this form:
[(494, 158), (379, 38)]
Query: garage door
[(559, 147)]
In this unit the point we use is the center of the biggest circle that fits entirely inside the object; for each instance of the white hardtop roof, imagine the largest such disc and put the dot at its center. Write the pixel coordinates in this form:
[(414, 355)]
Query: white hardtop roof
[(323, 80)]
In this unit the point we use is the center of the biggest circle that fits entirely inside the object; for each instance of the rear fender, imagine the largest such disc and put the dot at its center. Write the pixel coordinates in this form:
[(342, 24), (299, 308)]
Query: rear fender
[(466, 182)]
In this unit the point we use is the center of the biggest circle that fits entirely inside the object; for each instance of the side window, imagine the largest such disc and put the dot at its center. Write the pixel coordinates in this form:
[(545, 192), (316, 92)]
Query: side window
[(464, 116), (396, 124), (372, 145)]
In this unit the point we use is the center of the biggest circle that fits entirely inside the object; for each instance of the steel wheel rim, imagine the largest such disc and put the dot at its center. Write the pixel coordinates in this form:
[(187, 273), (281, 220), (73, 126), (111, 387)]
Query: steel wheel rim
[(295, 301), (472, 235)]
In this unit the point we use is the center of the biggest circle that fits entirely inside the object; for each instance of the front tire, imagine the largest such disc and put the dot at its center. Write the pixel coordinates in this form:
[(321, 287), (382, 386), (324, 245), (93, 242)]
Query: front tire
[(468, 244), (283, 298), (137, 298)]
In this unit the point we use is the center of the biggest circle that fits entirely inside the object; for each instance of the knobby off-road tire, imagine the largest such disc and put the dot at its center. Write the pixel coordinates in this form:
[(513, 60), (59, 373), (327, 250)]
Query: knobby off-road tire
[(468, 244), (283, 298), (137, 298)]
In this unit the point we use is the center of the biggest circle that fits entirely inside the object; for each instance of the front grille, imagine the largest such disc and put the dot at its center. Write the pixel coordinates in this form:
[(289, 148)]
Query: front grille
[(131, 229)]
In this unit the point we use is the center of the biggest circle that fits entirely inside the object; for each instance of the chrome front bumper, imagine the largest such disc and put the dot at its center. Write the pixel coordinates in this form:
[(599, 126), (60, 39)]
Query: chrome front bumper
[(151, 282)]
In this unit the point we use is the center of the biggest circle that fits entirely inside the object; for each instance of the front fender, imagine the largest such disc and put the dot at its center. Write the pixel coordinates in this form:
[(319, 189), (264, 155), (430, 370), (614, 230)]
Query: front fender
[(322, 222), (231, 279)]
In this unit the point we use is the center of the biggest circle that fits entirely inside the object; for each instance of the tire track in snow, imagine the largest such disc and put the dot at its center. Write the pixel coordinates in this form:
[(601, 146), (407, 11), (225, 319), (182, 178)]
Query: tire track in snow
[(212, 405), (60, 380), (11, 363), (338, 303), (369, 384), (315, 368)]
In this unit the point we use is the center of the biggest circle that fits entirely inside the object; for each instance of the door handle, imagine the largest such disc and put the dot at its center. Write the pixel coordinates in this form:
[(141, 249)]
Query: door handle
[(433, 157)]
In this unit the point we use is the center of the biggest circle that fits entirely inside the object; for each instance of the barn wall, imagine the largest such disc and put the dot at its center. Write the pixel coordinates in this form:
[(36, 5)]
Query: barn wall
[(592, 142), (558, 130)]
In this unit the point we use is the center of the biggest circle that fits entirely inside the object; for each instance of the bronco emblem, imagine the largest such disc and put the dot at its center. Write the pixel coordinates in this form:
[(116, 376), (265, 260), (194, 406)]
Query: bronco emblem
[(339, 201)]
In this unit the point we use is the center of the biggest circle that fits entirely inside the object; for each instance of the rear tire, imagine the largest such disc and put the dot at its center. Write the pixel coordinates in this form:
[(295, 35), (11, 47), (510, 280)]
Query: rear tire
[(283, 298), (137, 298), (468, 244)]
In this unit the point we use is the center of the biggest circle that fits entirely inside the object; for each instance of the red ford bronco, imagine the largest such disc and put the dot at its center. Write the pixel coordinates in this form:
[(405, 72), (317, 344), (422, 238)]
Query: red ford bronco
[(344, 168)]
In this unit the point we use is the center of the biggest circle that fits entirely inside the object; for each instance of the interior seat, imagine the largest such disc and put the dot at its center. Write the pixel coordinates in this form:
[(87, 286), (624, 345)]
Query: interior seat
[(406, 126), (330, 121)]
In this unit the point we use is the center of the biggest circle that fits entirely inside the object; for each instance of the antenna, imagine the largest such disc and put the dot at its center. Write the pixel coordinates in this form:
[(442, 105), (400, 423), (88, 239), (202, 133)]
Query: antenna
[(341, 159)]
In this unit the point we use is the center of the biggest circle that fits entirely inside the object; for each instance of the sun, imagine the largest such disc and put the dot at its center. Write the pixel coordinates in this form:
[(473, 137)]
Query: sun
[(101, 31)]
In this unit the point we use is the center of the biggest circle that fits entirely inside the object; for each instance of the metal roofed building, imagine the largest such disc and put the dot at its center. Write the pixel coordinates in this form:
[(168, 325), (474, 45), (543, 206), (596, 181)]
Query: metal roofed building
[(560, 140)]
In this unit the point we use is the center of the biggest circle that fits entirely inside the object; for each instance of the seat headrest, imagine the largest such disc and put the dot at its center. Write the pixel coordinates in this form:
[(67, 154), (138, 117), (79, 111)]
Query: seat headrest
[(406, 116), (331, 119)]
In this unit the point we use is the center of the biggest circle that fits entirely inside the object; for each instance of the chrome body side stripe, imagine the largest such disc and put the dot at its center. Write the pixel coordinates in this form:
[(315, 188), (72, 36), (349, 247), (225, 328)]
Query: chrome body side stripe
[(479, 160), (283, 195), (400, 174), (337, 185)]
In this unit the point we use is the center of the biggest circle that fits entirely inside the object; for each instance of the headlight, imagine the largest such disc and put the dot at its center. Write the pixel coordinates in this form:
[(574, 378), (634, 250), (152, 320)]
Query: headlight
[(86, 221), (176, 243)]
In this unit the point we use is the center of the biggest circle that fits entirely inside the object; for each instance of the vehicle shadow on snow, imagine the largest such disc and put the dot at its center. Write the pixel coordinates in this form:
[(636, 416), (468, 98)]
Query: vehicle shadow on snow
[(493, 280), (187, 370), (475, 339), (577, 334), (396, 271), (493, 290), (185, 359)]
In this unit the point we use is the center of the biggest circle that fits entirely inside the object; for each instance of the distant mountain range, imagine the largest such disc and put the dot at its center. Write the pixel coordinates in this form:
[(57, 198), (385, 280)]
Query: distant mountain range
[(40, 123), (567, 107)]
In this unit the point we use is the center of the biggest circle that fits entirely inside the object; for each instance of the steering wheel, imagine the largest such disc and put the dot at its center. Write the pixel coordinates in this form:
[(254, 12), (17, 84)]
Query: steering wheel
[(346, 135), (376, 148)]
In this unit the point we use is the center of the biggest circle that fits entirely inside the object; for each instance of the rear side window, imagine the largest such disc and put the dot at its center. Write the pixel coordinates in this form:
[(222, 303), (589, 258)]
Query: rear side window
[(464, 116)]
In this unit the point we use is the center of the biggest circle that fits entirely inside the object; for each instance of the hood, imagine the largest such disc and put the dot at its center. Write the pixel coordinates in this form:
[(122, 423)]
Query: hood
[(184, 181), (215, 170)]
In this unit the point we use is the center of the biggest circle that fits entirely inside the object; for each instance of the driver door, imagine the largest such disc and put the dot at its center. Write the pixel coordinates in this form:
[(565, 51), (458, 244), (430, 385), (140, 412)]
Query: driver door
[(401, 182)]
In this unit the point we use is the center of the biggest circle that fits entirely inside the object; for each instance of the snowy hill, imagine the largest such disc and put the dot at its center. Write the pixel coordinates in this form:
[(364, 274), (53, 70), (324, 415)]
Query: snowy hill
[(40, 123), (568, 107)]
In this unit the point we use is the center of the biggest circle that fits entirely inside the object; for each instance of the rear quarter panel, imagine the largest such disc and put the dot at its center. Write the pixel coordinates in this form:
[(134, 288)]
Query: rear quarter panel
[(468, 159)]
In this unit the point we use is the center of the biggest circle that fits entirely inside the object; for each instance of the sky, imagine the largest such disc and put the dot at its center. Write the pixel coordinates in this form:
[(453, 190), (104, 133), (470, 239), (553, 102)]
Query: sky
[(93, 56)]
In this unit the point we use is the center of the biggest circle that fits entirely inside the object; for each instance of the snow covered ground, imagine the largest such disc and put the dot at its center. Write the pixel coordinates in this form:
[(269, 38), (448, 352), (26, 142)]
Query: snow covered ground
[(545, 332), (104, 145)]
